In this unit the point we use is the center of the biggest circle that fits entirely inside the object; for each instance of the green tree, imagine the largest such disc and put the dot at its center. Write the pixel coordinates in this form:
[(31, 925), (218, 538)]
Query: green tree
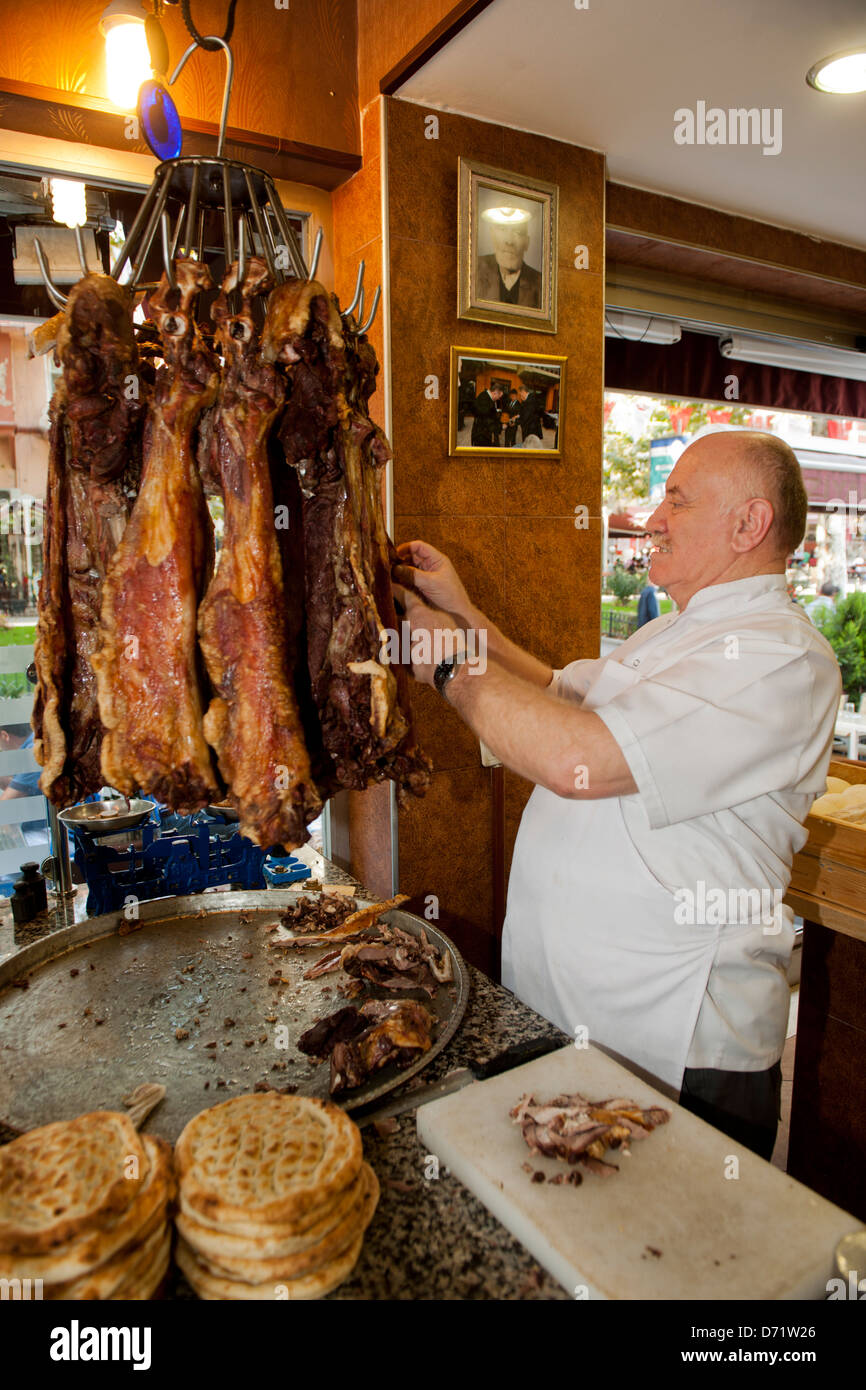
[(627, 460), (845, 630)]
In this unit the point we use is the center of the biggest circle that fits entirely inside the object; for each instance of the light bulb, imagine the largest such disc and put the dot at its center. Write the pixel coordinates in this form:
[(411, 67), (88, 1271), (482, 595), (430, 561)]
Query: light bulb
[(842, 74), (68, 202), (127, 57), (506, 217)]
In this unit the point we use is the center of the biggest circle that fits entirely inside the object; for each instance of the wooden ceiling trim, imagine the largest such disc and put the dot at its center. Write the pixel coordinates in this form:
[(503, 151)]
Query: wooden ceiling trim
[(664, 218), (65, 115)]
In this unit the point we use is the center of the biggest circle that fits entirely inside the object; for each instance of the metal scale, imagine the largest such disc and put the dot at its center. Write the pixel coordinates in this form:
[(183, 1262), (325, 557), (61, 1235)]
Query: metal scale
[(183, 855)]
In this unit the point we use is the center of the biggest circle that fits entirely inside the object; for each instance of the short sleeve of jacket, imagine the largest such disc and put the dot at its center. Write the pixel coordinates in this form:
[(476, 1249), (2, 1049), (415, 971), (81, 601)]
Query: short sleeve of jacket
[(573, 681), (714, 731)]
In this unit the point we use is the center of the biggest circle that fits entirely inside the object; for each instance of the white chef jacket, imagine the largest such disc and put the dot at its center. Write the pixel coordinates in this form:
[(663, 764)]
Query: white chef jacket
[(654, 920)]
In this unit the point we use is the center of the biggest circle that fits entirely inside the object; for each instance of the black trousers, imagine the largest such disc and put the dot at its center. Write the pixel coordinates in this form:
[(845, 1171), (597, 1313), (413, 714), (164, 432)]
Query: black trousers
[(743, 1104)]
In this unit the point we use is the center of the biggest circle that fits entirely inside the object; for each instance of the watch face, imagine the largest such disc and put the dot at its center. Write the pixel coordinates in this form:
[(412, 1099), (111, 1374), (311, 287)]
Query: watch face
[(160, 123)]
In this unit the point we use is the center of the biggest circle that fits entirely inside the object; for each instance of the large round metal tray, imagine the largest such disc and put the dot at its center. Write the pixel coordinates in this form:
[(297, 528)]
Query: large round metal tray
[(92, 816), (103, 1007)]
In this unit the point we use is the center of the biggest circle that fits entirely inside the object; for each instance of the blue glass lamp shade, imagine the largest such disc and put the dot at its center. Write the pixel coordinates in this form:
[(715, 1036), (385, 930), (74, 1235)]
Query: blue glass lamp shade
[(160, 122)]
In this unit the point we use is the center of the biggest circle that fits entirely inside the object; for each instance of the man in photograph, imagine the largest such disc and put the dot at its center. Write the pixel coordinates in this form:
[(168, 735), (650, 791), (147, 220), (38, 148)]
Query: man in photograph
[(512, 405), (504, 275), (531, 416), (486, 425)]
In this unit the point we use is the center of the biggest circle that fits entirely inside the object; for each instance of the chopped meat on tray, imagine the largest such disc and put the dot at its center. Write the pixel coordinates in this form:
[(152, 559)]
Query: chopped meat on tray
[(360, 1041)]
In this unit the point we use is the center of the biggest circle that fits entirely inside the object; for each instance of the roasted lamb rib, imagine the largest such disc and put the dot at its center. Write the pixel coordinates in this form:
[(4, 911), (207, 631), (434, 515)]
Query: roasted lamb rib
[(253, 722), (93, 467), (338, 453), (151, 697)]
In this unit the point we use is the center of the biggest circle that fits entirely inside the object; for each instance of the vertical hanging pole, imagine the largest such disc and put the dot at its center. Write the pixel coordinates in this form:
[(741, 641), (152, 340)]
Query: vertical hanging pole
[(228, 225), (297, 261), (143, 212), (193, 208), (141, 254), (264, 236)]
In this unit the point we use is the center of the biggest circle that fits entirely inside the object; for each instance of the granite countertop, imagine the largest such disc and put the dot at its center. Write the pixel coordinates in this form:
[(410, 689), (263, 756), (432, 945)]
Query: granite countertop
[(430, 1238)]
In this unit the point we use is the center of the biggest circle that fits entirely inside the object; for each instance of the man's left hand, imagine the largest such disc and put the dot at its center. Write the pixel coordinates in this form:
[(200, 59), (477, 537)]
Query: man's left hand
[(425, 651)]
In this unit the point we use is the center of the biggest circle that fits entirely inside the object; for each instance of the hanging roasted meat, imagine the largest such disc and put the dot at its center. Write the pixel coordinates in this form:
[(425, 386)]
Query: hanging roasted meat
[(253, 722), (93, 468), (149, 671), (329, 439)]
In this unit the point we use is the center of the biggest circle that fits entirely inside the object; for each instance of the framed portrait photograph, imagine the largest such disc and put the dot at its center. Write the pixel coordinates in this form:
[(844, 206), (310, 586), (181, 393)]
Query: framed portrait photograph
[(503, 403), (506, 240)]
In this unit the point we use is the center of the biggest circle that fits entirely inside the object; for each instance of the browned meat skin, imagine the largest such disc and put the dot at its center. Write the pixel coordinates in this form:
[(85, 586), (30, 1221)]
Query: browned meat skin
[(404, 1032), (408, 767), (253, 721), (94, 462), (150, 682), (337, 452), (322, 1038)]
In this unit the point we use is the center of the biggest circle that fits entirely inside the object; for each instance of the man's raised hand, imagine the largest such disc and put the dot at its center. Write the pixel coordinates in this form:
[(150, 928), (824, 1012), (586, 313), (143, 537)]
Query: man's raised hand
[(426, 569)]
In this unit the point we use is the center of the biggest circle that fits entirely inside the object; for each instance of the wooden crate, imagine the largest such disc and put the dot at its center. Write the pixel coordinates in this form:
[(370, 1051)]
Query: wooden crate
[(831, 866)]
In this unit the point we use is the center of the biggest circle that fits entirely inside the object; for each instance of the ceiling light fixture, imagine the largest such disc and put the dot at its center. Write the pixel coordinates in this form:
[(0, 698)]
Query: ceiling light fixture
[(795, 356), (69, 202), (641, 328), (127, 56), (841, 73)]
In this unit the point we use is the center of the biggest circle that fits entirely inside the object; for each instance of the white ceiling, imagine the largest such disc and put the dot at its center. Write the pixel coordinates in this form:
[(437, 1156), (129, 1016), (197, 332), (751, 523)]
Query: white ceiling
[(611, 78)]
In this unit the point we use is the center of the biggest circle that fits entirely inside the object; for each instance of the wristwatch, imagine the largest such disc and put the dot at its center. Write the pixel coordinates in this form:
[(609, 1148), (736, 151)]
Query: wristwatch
[(447, 669)]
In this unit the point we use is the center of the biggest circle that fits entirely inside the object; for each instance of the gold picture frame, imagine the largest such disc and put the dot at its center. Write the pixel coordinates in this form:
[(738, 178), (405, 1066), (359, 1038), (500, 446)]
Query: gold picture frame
[(507, 233), (526, 417)]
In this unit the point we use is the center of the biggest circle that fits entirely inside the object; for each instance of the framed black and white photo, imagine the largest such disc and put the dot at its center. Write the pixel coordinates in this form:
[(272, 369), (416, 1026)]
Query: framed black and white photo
[(505, 403), (506, 241)]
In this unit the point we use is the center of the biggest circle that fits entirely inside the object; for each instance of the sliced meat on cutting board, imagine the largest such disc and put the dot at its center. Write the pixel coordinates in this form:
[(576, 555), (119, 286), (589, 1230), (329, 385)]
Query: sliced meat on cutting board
[(669, 1225)]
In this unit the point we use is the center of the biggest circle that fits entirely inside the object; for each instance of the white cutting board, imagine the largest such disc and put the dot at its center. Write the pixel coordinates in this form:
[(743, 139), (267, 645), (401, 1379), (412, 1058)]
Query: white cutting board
[(758, 1236)]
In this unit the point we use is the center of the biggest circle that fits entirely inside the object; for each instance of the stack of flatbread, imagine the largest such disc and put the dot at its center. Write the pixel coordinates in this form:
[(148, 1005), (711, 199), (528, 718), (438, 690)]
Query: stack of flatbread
[(274, 1198), (843, 801), (84, 1206)]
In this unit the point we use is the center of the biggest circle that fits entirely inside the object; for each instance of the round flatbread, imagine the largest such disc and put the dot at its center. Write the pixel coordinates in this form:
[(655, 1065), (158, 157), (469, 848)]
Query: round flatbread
[(837, 784), (90, 1251), (306, 1262), (266, 1158), (141, 1287), (266, 1242), (316, 1285), (127, 1267), (64, 1179)]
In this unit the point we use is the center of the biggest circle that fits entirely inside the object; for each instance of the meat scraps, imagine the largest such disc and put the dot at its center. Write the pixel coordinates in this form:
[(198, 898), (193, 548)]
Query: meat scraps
[(149, 670), (317, 913), (360, 1041), (389, 958), (253, 722), (575, 1129), (93, 467)]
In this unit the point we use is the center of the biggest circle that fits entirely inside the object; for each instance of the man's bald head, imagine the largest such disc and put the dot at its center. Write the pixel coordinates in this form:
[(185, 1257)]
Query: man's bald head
[(734, 506), (763, 465)]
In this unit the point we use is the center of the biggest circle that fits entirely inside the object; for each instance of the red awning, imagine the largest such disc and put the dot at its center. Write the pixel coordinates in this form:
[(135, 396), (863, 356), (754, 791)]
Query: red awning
[(825, 485), (624, 524)]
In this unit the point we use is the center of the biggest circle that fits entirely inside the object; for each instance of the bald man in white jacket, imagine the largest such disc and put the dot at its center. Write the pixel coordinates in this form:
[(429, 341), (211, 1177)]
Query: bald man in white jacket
[(672, 781)]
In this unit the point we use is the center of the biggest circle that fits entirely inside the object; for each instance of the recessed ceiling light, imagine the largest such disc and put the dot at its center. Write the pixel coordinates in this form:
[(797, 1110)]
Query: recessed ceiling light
[(841, 73)]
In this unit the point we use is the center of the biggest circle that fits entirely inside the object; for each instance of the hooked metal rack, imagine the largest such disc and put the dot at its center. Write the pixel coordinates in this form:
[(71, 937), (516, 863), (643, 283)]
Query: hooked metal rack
[(254, 220)]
